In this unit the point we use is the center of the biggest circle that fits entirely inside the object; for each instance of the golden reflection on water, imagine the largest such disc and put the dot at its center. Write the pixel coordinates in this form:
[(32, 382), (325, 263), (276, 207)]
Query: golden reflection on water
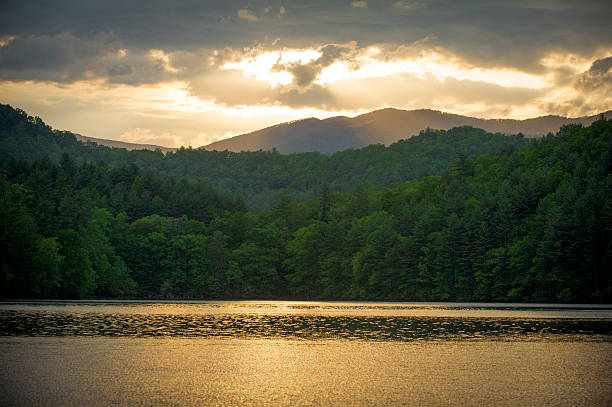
[(310, 320), (103, 371), (303, 353), (483, 310)]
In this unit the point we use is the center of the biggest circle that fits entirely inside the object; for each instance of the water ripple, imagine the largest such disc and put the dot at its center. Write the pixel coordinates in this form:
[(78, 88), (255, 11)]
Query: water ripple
[(398, 328)]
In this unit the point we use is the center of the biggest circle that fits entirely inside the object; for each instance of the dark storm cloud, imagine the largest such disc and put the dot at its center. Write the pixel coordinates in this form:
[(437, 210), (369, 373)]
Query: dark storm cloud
[(594, 88), (65, 58), (601, 65), (597, 78), (305, 74), (511, 34), (140, 24)]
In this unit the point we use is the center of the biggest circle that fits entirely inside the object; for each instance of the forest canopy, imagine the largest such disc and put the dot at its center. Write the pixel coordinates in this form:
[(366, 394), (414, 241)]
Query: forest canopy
[(262, 178), (457, 215)]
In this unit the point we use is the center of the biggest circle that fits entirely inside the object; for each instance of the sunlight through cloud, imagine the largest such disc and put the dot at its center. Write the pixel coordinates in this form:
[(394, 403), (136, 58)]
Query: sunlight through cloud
[(439, 66), (271, 66), (262, 67)]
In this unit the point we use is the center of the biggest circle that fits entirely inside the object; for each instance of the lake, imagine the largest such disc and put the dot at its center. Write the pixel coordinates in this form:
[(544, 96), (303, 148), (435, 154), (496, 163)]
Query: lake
[(304, 353)]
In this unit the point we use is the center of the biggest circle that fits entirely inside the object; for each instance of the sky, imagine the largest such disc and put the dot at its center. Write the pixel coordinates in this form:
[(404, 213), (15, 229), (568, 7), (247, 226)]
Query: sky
[(189, 73)]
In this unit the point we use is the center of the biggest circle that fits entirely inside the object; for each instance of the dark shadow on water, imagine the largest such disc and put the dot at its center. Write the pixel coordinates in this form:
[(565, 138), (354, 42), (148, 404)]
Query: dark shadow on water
[(395, 328)]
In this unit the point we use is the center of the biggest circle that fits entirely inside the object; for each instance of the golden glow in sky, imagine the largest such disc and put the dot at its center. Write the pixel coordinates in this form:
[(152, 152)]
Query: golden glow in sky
[(264, 67), (175, 101), (169, 103), (214, 70)]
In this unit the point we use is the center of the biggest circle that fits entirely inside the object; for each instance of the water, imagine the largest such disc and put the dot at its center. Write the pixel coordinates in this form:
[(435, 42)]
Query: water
[(304, 353)]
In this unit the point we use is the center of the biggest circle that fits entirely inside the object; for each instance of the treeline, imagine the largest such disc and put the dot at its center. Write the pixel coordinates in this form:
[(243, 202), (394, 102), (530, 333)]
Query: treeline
[(532, 224), (262, 178), (59, 223)]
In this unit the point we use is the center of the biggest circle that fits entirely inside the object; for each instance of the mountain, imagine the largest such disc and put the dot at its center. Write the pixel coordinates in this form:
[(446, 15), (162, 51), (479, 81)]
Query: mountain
[(532, 223), (380, 127), (122, 144), (262, 178)]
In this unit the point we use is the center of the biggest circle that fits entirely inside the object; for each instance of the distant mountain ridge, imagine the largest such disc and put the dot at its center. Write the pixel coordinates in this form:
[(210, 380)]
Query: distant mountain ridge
[(261, 178), (123, 144), (383, 126)]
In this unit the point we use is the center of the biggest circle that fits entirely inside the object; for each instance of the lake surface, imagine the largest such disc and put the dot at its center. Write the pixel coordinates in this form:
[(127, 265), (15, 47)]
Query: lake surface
[(304, 353)]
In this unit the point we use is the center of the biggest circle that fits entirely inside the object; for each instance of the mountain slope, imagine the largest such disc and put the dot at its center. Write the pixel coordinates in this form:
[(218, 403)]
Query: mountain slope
[(262, 178), (379, 127), (532, 224), (123, 144)]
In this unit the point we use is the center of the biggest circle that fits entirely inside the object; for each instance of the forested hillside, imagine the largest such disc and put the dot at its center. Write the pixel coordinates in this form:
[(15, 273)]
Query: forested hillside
[(528, 224), (263, 178)]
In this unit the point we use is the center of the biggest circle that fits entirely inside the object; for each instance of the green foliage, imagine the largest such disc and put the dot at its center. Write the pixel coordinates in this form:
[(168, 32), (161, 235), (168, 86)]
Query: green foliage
[(528, 223), (260, 178)]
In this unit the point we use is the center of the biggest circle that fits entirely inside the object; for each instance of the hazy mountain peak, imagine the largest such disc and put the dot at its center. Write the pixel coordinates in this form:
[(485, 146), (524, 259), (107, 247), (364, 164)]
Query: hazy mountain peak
[(383, 126)]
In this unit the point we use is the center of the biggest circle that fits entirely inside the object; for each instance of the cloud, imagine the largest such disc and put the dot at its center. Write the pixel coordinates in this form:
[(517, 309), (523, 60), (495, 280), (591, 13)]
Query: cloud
[(62, 57), (330, 63), (408, 5), (305, 75), (315, 96), (306, 72), (231, 88), (589, 93), (168, 111), (206, 69), (597, 78), (338, 77), (65, 58), (146, 136), (411, 91), (512, 34), (248, 15)]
